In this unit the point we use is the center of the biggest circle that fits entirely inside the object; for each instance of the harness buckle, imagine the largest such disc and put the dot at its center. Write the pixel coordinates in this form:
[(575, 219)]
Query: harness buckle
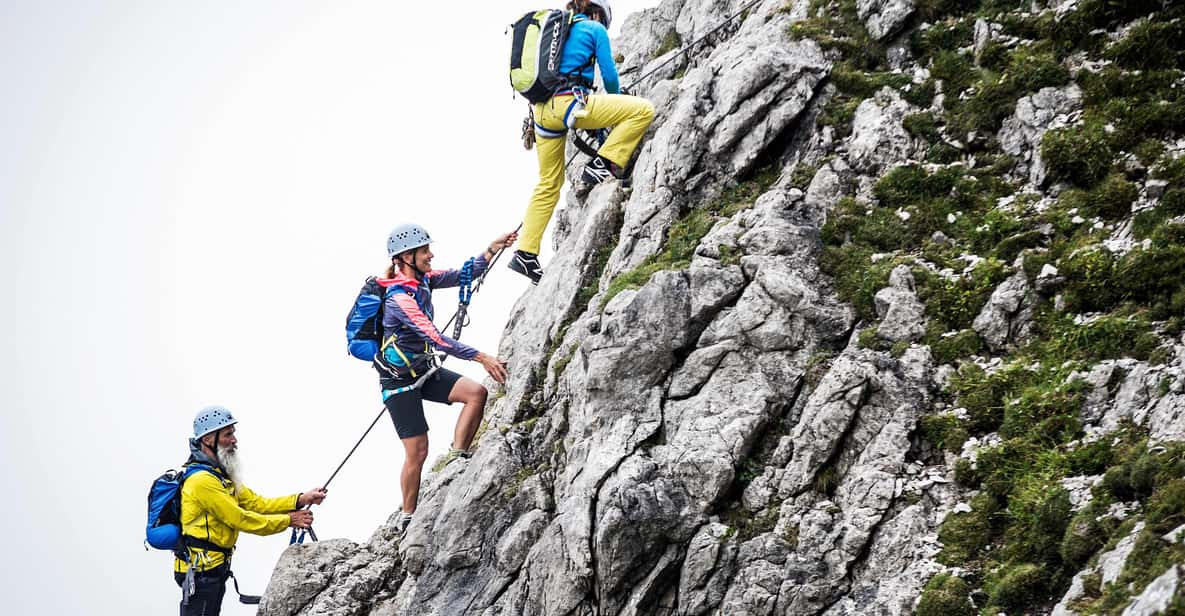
[(576, 110)]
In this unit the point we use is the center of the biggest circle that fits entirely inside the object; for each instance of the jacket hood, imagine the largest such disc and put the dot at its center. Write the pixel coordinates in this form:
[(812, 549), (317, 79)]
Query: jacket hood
[(197, 456), (399, 280)]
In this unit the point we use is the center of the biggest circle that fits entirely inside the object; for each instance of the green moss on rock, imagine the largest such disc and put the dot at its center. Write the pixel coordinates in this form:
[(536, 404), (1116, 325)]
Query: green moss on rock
[(945, 595), (921, 125), (958, 345), (1111, 199), (1015, 586), (944, 431), (964, 535), (1080, 155), (1087, 532)]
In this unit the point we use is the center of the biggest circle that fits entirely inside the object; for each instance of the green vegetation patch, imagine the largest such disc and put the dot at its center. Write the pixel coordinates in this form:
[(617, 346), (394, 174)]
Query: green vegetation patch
[(1015, 586), (836, 25), (947, 347), (1136, 105), (1153, 475), (955, 302), (1111, 199), (965, 535), (945, 595), (1080, 155), (922, 126), (670, 42), (1099, 281), (745, 525), (1150, 44), (1025, 70), (945, 431), (685, 234)]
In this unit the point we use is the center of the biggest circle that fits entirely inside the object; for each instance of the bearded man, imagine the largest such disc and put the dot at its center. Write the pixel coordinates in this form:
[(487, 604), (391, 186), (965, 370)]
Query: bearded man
[(216, 506)]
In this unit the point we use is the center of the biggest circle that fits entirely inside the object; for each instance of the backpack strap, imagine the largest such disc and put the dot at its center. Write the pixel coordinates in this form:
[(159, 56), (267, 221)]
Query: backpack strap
[(392, 340), (574, 77), (202, 544), (198, 467), (189, 541)]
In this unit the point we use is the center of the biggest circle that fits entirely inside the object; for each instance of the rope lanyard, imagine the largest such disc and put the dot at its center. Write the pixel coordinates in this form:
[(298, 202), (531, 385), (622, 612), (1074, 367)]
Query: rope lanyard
[(464, 295), (583, 145), (692, 44), (467, 295)]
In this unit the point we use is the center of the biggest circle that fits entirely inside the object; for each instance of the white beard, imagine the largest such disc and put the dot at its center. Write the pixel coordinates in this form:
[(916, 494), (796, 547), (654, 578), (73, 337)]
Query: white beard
[(231, 463)]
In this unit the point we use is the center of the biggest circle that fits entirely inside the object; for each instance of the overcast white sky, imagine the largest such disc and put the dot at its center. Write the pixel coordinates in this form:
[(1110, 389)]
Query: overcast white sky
[(190, 196)]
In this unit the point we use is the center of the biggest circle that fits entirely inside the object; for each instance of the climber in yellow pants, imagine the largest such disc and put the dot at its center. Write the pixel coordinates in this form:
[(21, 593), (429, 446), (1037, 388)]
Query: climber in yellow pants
[(629, 116), (587, 46)]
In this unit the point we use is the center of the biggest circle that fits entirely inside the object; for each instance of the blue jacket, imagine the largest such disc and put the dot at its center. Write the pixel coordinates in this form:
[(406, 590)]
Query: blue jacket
[(589, 39), (407, 316)]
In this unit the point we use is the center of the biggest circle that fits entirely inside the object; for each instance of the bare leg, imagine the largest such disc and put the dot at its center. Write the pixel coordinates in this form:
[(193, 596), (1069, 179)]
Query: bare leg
[(416, 450), (473, 395)]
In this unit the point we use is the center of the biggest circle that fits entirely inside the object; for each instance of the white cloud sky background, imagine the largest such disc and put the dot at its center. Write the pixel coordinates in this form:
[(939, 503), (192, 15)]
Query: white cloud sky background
[(190, 197)]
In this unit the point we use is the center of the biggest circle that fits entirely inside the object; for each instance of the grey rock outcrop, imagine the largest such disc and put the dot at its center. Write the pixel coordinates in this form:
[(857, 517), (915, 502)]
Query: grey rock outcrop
[(1127, 390), (883, 17), (1007, 318), (1022, 132), (711, 438), (903, 317), (1156, 597), (878, 138)]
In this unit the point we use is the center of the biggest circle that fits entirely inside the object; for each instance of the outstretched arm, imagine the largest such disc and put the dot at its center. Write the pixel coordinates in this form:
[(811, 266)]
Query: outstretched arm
[(208, 490), (443, 279)]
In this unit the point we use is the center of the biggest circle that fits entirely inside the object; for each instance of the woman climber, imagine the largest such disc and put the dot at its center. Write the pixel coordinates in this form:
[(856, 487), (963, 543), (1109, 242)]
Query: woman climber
[(574, 105)]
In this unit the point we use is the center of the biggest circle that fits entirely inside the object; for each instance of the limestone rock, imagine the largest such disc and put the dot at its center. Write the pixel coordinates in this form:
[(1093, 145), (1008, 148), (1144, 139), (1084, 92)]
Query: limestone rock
[(903, 316), (883, 17), (1007, 317), (708, 438), (1156, 597), (1035, 114), (878, 138)]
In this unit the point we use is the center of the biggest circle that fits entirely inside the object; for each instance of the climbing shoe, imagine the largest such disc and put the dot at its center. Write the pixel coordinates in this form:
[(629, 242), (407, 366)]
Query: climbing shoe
[(453, 454), (527, 264), (402, 523), (600, 169)]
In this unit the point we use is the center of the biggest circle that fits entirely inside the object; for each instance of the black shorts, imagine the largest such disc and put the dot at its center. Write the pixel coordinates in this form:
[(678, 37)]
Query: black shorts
[(407, 408)]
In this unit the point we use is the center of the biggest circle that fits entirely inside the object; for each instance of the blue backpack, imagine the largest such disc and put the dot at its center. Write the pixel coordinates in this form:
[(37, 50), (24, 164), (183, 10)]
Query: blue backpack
[(364, 325), (164, 507)]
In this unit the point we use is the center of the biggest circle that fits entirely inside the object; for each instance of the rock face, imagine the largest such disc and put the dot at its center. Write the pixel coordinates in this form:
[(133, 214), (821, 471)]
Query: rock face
[(713, 438), (878, 138), (1007, 318), (1047, 109), (883, 17)]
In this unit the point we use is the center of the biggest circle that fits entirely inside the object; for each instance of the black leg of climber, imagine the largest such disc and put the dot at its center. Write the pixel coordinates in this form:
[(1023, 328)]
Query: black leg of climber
[(572, 105), (406, 359)]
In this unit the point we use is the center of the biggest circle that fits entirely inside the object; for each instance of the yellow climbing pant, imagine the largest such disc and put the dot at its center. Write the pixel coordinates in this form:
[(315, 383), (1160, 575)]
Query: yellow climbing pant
[(629, 116)]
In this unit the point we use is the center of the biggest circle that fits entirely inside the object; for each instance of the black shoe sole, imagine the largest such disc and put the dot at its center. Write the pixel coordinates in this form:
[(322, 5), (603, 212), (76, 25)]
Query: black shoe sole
[(515, 267)]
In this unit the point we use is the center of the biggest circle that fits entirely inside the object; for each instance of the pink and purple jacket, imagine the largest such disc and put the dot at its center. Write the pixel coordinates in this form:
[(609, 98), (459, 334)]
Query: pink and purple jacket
[(407, 314)]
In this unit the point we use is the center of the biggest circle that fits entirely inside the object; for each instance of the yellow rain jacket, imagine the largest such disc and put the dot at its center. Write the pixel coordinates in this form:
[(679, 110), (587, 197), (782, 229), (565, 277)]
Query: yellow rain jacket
[(216, 510)]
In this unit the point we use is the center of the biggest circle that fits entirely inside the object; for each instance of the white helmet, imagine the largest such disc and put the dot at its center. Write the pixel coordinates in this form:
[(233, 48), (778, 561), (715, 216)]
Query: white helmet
[(604, 6)]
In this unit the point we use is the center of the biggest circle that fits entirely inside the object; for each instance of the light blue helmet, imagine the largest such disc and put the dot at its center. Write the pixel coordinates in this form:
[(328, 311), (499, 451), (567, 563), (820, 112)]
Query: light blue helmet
[(212, 419), (406, 237)]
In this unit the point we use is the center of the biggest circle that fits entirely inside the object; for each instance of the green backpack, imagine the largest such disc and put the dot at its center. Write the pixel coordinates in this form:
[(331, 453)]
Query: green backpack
[(535, 51)]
